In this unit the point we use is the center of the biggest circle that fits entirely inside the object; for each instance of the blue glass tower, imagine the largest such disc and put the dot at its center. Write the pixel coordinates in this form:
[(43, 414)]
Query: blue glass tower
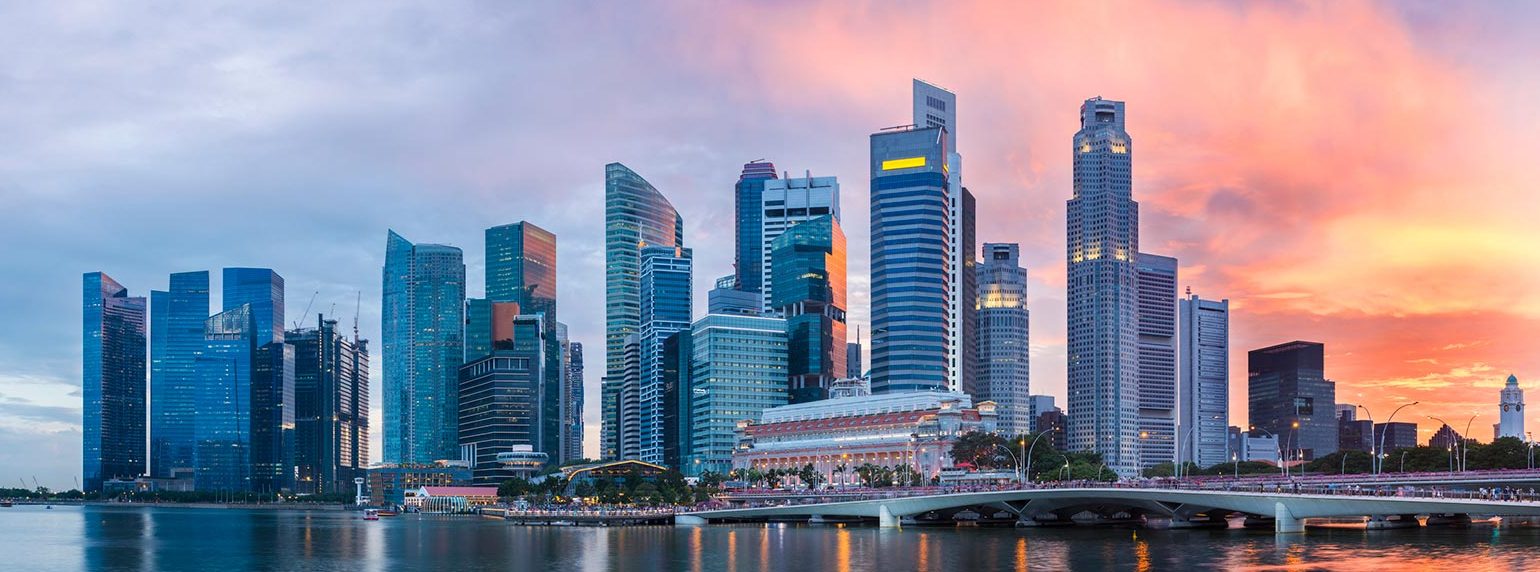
[(176, 341), (748, 197), (223, 426), (912, 271), (521, 267), (665, 297), (263, 289), (423, 312), (112, 382), (272, 418), (808, 269)]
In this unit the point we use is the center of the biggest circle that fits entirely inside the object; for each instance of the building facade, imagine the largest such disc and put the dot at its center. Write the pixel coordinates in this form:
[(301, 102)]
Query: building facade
[(808, 290), (1205, 381), (788, 203), (1511, 415), (1004, 372), (521, 268), (748, 202), (1157, 359), (112, 382), (572, 403), (389, 483), (501, 401), (423, 317), (272, 417), (936, 107), (1103, 306), (666, 308), (222, 458), (331, 408), (1395, 435), (176, 340), (738, 369), (1290, 397), (635, 215)]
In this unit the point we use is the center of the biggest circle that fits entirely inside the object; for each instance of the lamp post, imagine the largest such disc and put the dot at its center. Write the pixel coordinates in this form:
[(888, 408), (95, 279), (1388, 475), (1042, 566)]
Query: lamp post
[(1465, 451), (1452, 444), (1234, 458), (1179, 442), (1028, 463), (1015, 461), (1277, 443), (1387, 430)]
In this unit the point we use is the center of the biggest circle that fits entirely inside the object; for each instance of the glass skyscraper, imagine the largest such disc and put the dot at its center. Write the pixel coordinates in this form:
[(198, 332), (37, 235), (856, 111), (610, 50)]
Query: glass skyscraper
[(331, 408), (787, 203), (748, 201), (1004, 373), (263, 289), (1157, 358), (222, 458), (1205, 381), (423, 314), (677, 397), (738, 371), (1289, 396), (572, 403), (112, 382), (911, 261), (521, 267), (500, 400), (935, 106), (808, 289), (665, 304), (1103, 239), (636, 215), (176, 341), (272, 418)]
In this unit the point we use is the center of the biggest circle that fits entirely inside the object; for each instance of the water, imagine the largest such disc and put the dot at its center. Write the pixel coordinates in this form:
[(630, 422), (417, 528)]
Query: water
[(145, 538)]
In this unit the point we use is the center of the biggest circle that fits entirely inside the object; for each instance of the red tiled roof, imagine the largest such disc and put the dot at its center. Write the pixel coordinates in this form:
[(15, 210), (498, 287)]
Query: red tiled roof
[(840, 423), (462, 491)]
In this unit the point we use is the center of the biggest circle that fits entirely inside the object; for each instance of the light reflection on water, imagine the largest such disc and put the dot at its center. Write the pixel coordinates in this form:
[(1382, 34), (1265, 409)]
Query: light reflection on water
[(147, 539)]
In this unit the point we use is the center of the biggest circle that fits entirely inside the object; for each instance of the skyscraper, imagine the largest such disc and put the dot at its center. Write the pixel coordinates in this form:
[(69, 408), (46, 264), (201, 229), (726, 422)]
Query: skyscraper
[(738, 370), (500, 402), (176, 340), (272, 417), (635, 215), (1103, 239), (1004, 375), (726, 298), (808, 289), (331, 408), (934, 106), (677, 397), (665, 305), (787, 203), (1205, 371), (912, 269), (853, 359), (521, 267), (423, 313), (968, 299), (628, 402), (1511, 418), (112, 382), (1289, 396), (263, 290), (748, 202), (222, 458), (1157, 358), (573, 414)]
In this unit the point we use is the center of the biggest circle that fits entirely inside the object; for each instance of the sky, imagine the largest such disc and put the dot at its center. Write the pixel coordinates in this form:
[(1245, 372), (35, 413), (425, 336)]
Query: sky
[(1355, 173)]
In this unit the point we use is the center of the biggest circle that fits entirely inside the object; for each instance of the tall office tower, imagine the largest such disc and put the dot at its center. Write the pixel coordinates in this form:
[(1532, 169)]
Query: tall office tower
[(222, 458), (726, 298), (1004, 375), (1289, 396), (853, 363), (263, 289), (628, 402), (748, 202), (738, 370), (808, 289), (501, 399), (1511, 419), (176, 340), (565, 435), (112, 382), (677, 350), (936, 107), (1103, 310), (272, 417), (789, 202), (665, 304), (423, 313), (331, 408), (1395, 435), (573, 416), (1205, 371), (1157, 358), (911, 263), (521, 267), (635, 215)]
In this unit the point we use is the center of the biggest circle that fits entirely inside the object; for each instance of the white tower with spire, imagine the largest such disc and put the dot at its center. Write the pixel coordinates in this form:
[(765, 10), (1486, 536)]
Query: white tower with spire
[(1511, 422)]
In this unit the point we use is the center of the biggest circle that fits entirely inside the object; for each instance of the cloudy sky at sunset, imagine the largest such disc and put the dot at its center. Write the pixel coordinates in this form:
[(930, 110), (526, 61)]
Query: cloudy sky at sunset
[(1355, 173)]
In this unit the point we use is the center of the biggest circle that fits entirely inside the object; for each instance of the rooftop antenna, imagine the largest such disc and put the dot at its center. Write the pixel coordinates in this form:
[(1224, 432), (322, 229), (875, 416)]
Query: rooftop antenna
[(897, 127)]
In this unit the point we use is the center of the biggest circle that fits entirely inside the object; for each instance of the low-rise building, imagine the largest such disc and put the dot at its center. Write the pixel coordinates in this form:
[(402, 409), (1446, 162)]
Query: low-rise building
[(891, 430), (388, 483), (450, 499)]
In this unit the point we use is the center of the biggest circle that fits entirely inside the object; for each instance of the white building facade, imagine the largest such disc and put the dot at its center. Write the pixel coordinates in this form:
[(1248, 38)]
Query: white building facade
[(1204, 408)]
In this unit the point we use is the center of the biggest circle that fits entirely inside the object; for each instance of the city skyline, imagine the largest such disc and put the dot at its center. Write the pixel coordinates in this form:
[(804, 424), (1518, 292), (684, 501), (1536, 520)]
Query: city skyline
[(1396, 281)]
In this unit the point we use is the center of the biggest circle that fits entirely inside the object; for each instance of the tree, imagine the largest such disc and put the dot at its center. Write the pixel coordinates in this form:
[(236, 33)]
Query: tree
[(514, 487), (810, 476), (979, 449)]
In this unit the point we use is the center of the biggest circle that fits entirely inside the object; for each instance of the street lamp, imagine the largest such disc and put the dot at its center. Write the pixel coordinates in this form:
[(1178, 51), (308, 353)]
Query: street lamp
[(1452, 445), (1387, 429), (1277, 443), (1015, 461), (1465, 451), (1028, 464)]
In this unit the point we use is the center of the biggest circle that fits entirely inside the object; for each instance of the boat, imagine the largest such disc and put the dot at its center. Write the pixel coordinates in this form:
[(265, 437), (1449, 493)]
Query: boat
[(6, 504), (49, 507), (386, 513), (371, 514)]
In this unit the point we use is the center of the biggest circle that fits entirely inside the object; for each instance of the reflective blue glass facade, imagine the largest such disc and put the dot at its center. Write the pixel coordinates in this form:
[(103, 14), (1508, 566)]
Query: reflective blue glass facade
[(272, 418), (176, 341), (263, 290), (665, 297), (911, 261), (112, 382), (423, 317), (521, 267), (808, 270), (222, 457), (747, 197), (331, 408), (738, 370)]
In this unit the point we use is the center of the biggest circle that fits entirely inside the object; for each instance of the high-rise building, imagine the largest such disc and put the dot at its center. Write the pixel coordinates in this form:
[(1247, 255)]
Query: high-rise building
[(500, 401), (521, 268), (112, 382), (677, 353), (628, 401), (748, 200), (1289, 396), (222, 458), (912, 270), (263, 289), (808, 289), (1511, 418), (1205, 384), (1103, 307), (176, 340), (1157, 358), (272, 417), (665, 305), (331, 408), (968, 319), (1037, 404), (572, 414), (1445, 438), (1395, 435), (423, 313), (1053, 422), (936, 107), (788, 203), (738, 369), (854, 367), (1004, 356), (726, 298), (635, 215)]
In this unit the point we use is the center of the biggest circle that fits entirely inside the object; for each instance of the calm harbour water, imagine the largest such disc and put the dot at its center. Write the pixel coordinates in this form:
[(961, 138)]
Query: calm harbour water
[(146, 538)]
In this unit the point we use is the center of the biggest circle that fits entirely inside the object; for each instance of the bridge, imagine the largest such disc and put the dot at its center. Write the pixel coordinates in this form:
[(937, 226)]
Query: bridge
[(1184, 507)]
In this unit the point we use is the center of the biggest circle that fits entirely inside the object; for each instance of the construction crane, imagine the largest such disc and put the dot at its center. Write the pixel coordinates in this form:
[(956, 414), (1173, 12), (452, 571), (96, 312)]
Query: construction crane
[(358, 301), (302, 315)]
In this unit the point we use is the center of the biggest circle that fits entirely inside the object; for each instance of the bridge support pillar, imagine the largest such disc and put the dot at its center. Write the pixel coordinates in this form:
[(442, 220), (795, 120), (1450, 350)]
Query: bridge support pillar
[(1384, 522), (1284, 520), (885, 518), (688, 520), (1450, 520)]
